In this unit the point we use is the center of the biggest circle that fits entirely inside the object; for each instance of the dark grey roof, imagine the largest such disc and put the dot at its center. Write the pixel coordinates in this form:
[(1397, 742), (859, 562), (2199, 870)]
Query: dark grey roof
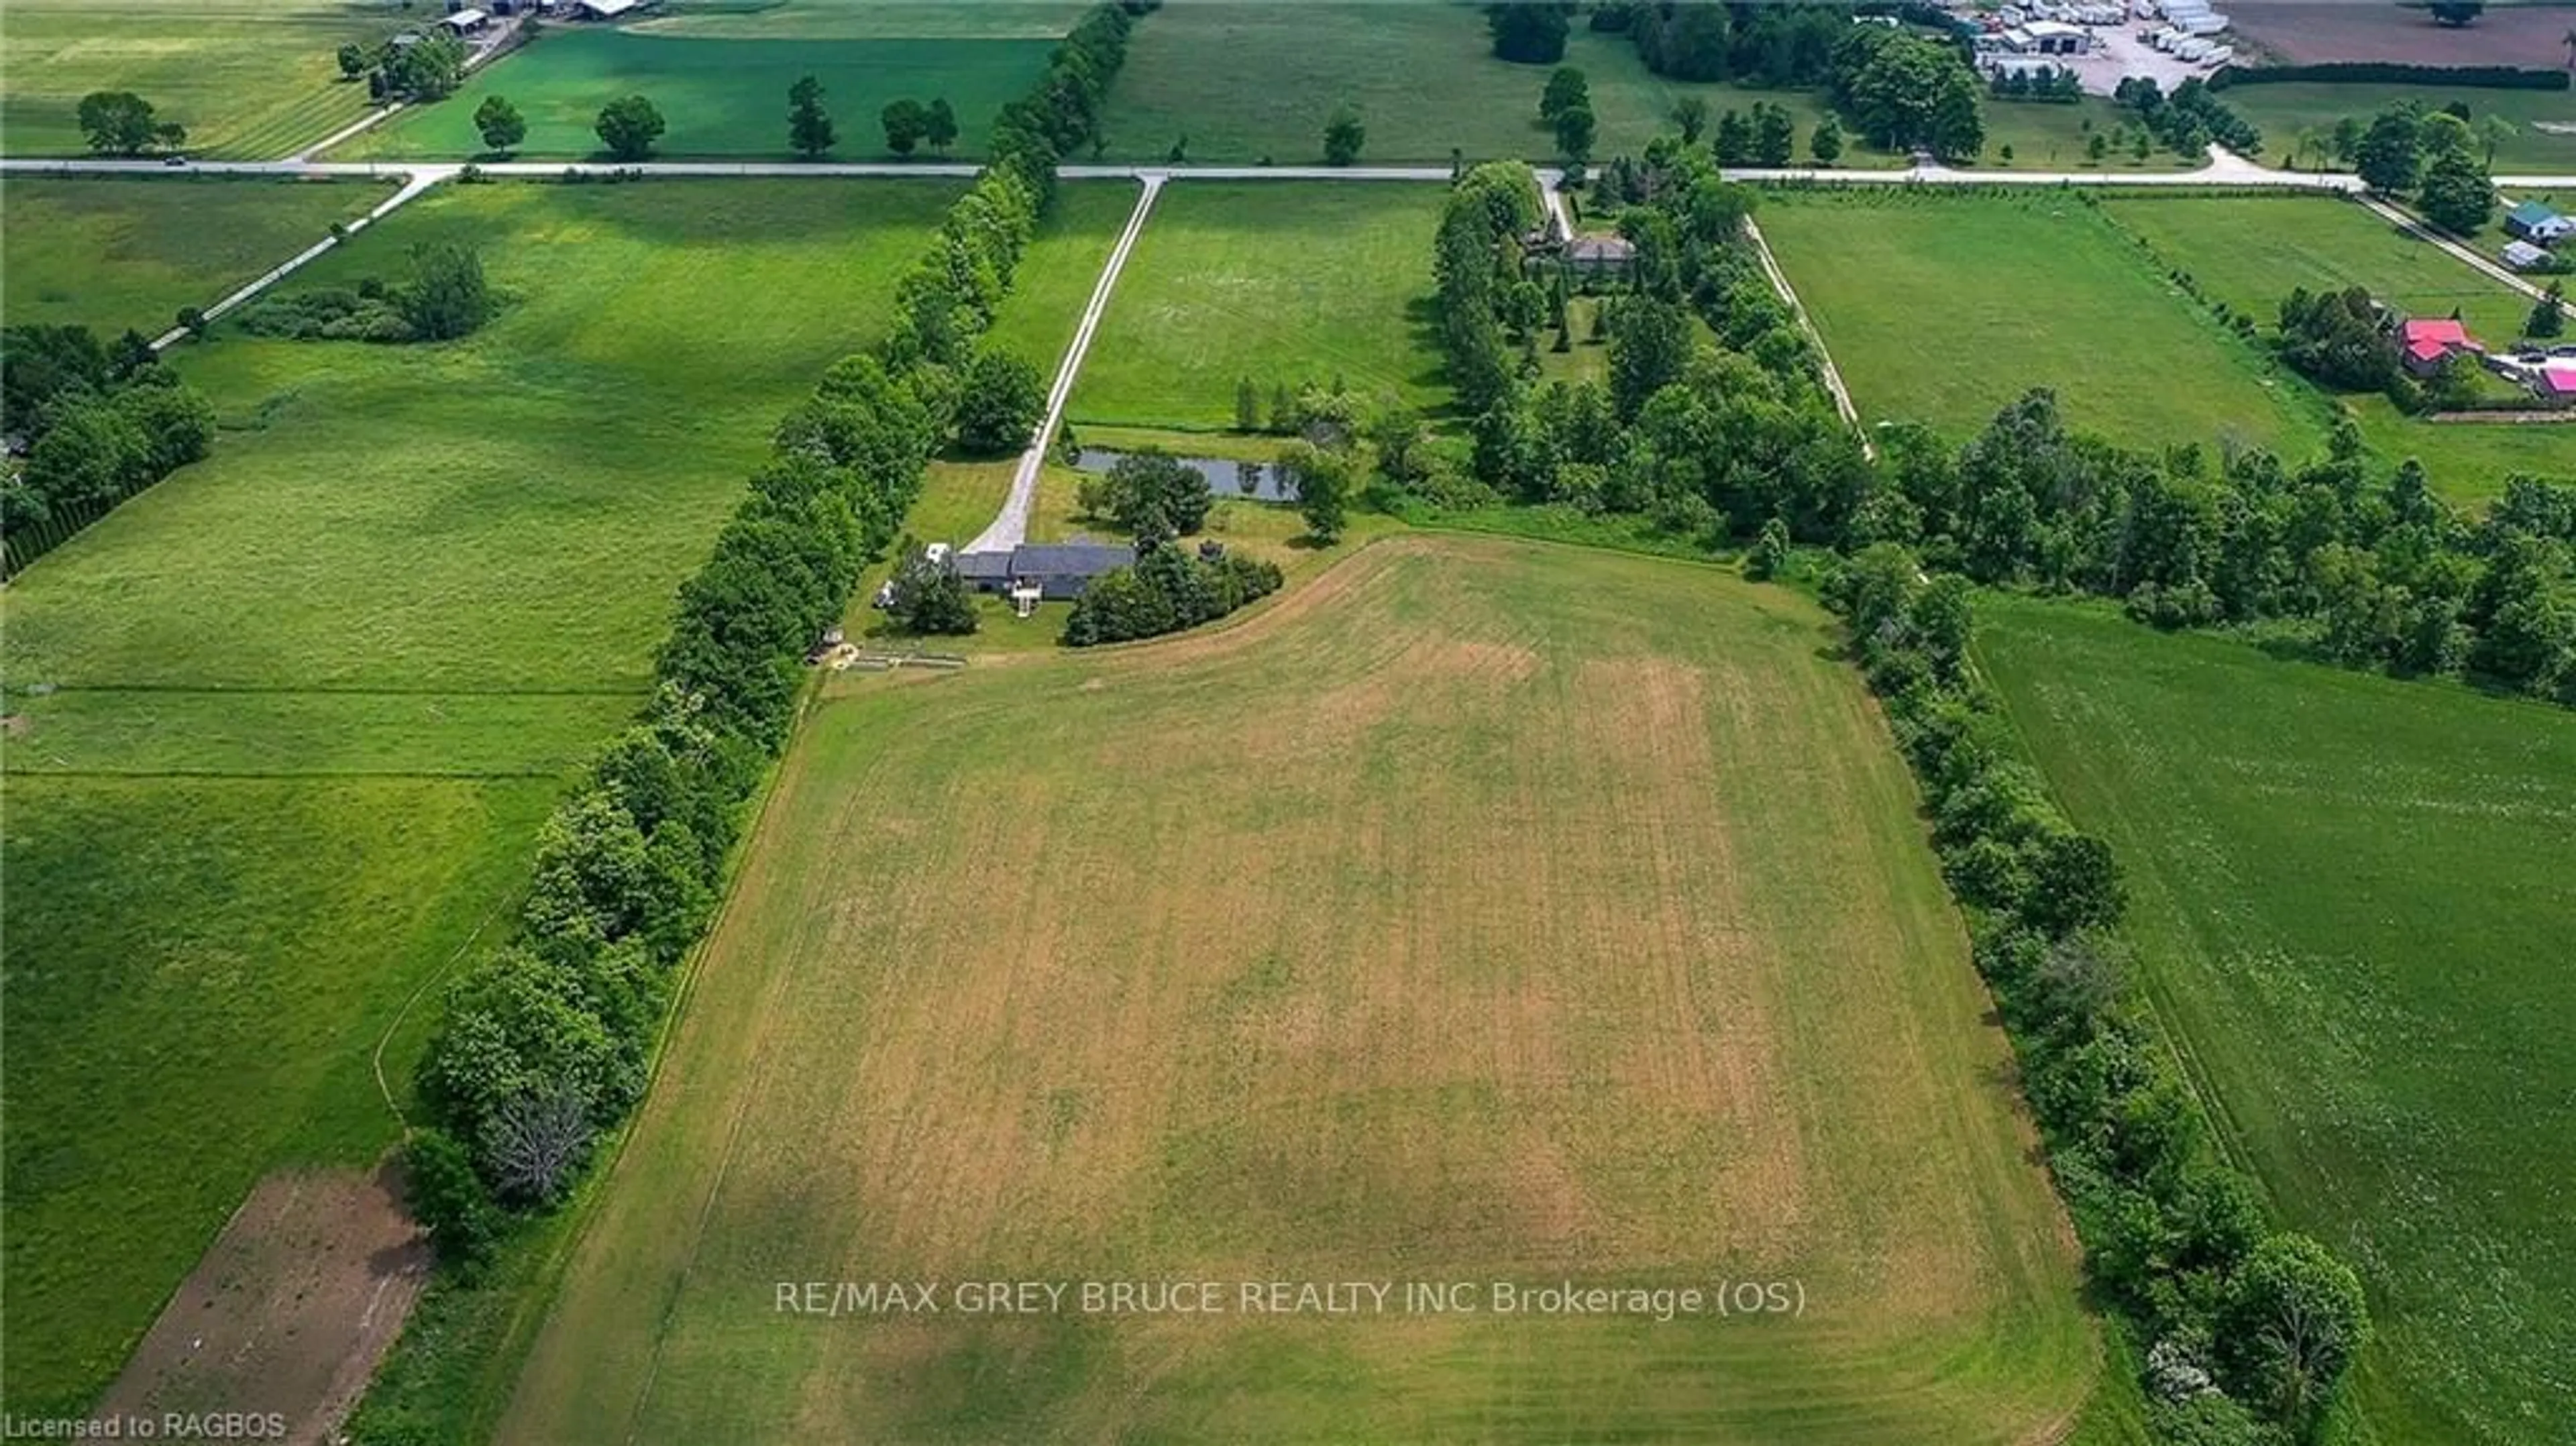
[(1069, 559), (972, 565)]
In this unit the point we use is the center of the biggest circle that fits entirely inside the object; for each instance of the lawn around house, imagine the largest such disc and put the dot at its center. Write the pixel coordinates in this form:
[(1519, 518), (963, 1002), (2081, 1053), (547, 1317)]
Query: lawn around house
[(1285, 282), (2348, 895), (116, 252), (1943, 308), (237, 848), (720, 95), (250, 79), (1671, 1023)]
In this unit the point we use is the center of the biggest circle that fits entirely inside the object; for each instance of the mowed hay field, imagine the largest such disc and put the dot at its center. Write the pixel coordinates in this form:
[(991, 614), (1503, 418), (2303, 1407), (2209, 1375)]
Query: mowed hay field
[(2251, 252), (2350, 899), (113, 252), (1482, 912), (1943, 309), (316, 693), (1284, 282), (720, 79), (250, 79)]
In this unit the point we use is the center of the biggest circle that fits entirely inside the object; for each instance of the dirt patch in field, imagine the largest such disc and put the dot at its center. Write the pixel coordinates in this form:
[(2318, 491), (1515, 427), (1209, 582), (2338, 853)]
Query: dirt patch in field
[(287, 1313), (2318, 34)]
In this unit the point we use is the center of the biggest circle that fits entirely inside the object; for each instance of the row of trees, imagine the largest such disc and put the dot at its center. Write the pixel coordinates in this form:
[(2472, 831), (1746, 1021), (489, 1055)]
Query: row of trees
[(545, 1041), (99, 423), (2372, 575), (2249, 1332)]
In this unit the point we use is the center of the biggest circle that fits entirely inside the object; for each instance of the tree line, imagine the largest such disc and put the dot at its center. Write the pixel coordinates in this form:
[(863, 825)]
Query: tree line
[(1901, 89), (96, 422), (2248, 1331), (545, 1042)]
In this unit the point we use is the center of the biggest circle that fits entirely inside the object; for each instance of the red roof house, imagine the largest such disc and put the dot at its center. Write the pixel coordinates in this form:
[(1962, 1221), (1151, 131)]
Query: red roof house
[(2425, 343)]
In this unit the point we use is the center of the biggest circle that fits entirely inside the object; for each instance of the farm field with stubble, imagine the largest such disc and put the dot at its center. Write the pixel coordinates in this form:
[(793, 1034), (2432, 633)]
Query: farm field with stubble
[(308, 700), (1285, 282), (250, 80), (2349, 899), (1481, 911)]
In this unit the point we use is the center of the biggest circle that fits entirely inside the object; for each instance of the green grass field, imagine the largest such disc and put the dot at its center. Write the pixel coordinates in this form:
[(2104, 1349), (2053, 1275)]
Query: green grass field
[(112, 252), (1943, 309), (2349, 897), (2249, 252), (1283, 282), (721, 82), (1455, 918), (251, 80), (317, 692), (1242, 82), (2285, 111)]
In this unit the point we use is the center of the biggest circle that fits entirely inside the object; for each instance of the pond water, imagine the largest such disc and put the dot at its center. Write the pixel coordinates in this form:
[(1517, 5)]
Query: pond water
[(1259, 481)]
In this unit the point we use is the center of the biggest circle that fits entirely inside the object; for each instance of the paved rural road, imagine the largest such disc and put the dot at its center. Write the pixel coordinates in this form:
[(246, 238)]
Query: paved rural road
[(2225, 169), (1010, 527)]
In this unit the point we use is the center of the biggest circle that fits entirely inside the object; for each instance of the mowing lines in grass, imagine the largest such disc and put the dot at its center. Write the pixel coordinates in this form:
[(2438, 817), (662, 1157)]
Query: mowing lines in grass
[(2349, 898), (1483, 911), (1287, 283), (250, 80)]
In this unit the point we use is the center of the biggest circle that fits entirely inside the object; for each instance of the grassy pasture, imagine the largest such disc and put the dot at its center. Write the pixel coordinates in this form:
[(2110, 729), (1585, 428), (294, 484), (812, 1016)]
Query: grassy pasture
[(250, 79), (1458, 917), (317, 692), (1241, 82), (1943, 309), (2249, 252), (2350, 900), (199, 970), (722, 93), (112, 252), (509, 512), (2284, 111), (1279, 281)]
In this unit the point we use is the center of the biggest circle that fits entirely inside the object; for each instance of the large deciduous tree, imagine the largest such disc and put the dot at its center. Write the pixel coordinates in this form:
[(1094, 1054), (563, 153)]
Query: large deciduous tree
[(117, 122), (501, 125), (628, 127), (1000, 404), (906, 124), (1528, 34), (809, 126)]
